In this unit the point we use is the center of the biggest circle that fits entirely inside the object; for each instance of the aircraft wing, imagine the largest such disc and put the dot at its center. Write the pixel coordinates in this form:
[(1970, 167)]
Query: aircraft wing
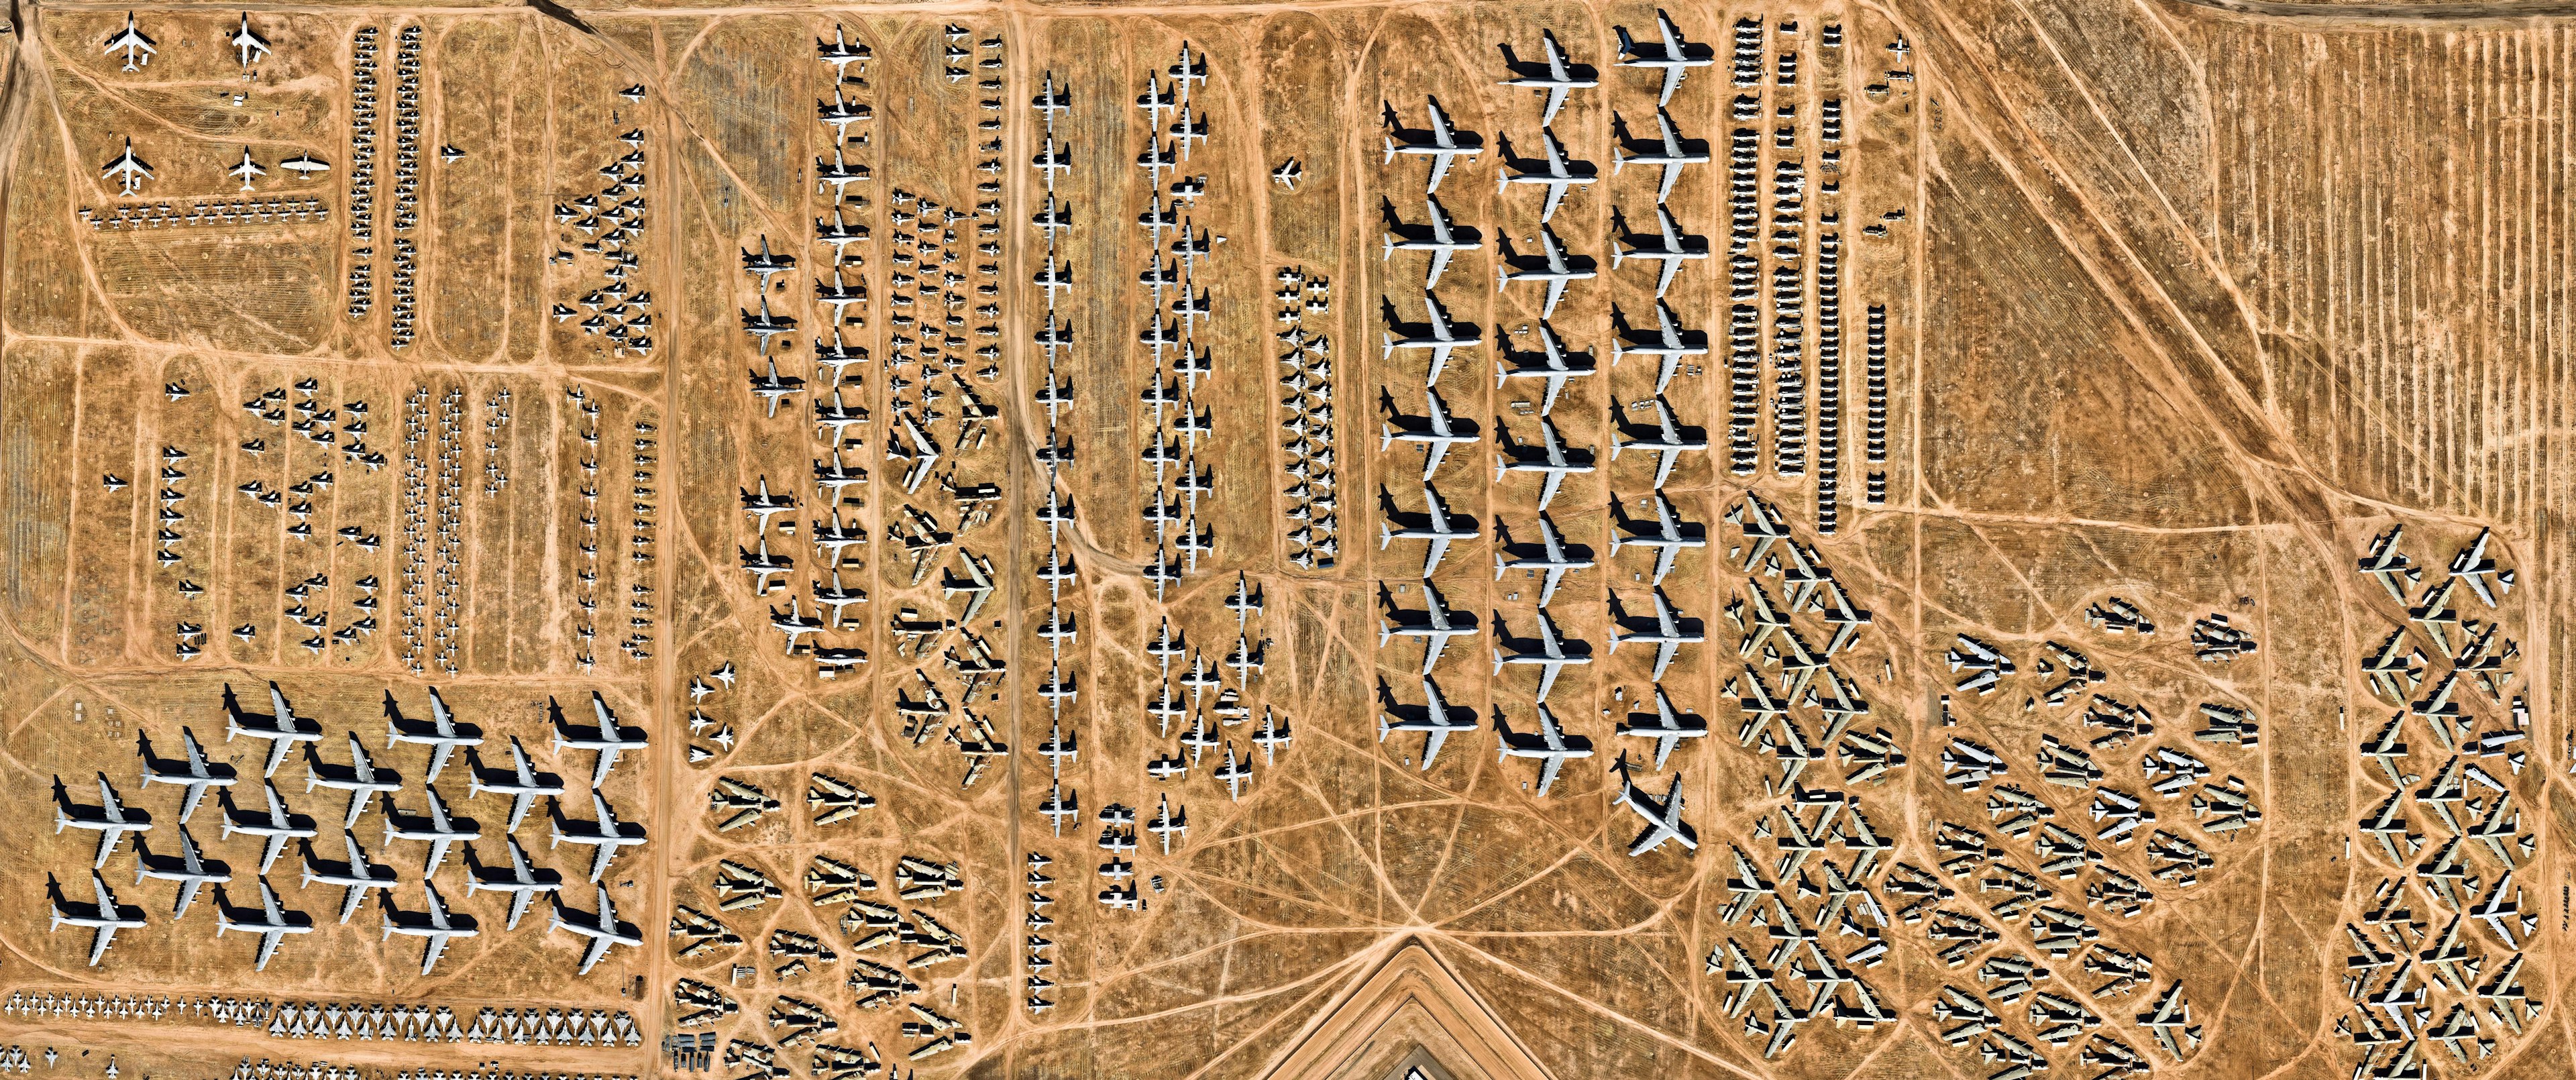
[(1431, 558), (1555, 291), (268, 904), (1432, 646), (1547, 773), (350, 900), (1431, 461), (1442, 133), (1431, 741), (438, 756), (1672, 138), (1439, 262), (277, 750), (1555, 192), (1439, 168), (268, 940), (519, 764), (98, 945), (268, 852), (1664, 651), (1556, 93), (601, 856), (429, 956), (187, 894), (196, 754), (519, 901), (598, 948), (108, 801), (519, 805), (607, 760), (1672, 76), (106, 900)]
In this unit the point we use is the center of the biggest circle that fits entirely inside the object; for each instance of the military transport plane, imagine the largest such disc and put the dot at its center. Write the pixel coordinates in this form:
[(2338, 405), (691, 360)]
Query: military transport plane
[(520, 782), (602, 929), (1671, 248), (1440, 336), (270, 921), (1670, 632), (442, 734), (1437, 433), (520, 880), (1443, 143), (1549, 744), (283, 730), (609, 738), (1552, 266), (1551, 460), (189, 868), (1670, 341), (1438, 720), (135, 44), (127, 170), (1552, 77), (1442, 238), (1438, 626), (1437, 530), (1551, 657), (1673, 54), (434, 924), (192, 773), (362, 779), (1553, 557), (110, 818), (605, 835), (1666, 725), (1553, 364), (248, 170), (1669, 535), (107, 916), (355, 876), (435, 827), (1663, 820), (1552, 171), (1668, 441), (1671, 151), (248, 44), (278, 824)]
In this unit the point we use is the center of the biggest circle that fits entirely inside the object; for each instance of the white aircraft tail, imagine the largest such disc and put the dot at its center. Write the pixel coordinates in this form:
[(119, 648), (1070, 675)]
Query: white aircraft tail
[(1385, 535), (1390, 150)]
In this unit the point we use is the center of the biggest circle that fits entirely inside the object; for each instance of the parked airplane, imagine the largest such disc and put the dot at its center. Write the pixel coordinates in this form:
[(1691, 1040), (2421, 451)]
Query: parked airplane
[(1670, 151), (1443, 143), (1663, 819), (1552, 656), (190, 868), (1553, 364), (434, 924), (1553, 267), (521, 782), (137, 46), (1440, 336), (1438, 626), (1673, 54), (1552, 461), (278, 824), (775, 387), (1668, 441), (192, 771), (106, 916), (126, 169), (520, 880), (443, 734), (354, 877), (1441, 238), (111, 819), (1438, 531), (1552, 171), (1554, 557), (605, 835), (1669, 634), (1672, 248), (1549, 744), (840, 52), (1671, 341), (609, 738), (1666, 725), (436, 828), (247, 171), (1670, 535), (1438, 433), (247, 42), (270, 921), (602, 929), (1437, 722), (1553, 77), (362, 779)]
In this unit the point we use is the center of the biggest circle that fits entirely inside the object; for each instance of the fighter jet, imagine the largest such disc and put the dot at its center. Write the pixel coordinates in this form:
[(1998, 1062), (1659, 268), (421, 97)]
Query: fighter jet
[(1443, 143), (521, 881), (190, 868), (1552, 77), (1437, 721), (521, 782), (1671, 151), (278, 824), (1552, 462), (283, 730), (1549, 744), (127, 170), (1441, 238), (1663, 819), (442, 734), (434, 924), (111, 819), (1553, 364), (354, 877), (1437, 433), (106, 916), (247, 42), (1670, 341), (1666, 725), (271, 922), (1670, 535), (1438, 626), (1437, 530), (602, 929), (1671, 631), (1553, 557), (362, 779), (192, 771), (1552, 656), (1671, 248), (137, 47), (605, 835), (1668, 441), (1439, 336), (1552, 171), (247, 171), (1553, 267), (609, 738), (436, 828), (1673, 54)]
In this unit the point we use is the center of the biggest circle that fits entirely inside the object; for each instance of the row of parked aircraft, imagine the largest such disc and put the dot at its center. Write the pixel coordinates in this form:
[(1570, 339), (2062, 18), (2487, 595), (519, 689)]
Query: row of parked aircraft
[(249, 45)]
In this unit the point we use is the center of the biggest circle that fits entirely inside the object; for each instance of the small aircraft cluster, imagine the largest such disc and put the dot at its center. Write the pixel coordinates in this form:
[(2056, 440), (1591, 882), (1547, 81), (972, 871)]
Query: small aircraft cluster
[(612, 220), (191, 867), (1314, 503), (433, 509), (218, 212), (362, 171), (406, 206), (2437, 955)]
